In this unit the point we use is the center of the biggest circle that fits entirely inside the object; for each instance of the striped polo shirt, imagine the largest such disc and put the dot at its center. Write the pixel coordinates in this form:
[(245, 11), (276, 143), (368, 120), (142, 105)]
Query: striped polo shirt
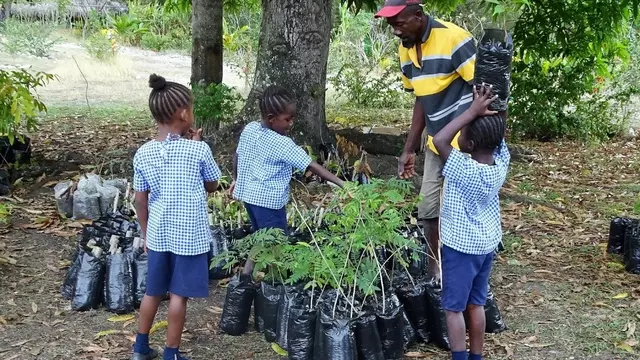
[(442, 79)]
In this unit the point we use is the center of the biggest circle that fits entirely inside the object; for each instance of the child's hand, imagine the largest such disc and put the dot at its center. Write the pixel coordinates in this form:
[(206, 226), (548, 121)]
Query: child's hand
[(481, 100), (195, 135), (232, 187)]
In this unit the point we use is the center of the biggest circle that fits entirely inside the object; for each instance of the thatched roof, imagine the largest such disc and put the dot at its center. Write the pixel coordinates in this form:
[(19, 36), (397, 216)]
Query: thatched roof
[(76, 9)]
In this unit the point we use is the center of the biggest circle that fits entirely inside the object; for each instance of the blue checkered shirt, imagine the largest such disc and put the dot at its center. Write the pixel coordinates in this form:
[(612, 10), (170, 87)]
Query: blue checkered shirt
[(470, 214), (174, 172), (265, 163)]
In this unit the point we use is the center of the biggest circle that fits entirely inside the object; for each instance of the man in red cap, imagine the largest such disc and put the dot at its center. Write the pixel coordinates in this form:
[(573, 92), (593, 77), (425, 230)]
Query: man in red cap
[(437, 60)]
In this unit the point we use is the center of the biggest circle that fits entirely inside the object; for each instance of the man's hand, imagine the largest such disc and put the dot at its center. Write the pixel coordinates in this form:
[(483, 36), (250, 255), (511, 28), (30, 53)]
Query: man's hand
[(195, 135), (407, 165)]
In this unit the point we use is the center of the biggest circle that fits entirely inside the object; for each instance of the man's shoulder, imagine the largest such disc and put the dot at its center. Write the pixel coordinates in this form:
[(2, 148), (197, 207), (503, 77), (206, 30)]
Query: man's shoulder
[(450, 31)]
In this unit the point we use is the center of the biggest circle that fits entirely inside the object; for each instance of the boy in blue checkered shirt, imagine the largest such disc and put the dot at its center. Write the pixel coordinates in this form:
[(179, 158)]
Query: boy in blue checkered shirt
[(263, 163), (172, 175), (470, 225)]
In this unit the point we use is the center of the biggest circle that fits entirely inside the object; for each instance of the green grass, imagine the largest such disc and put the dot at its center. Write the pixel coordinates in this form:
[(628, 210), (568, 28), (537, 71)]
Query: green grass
[(102, 114)]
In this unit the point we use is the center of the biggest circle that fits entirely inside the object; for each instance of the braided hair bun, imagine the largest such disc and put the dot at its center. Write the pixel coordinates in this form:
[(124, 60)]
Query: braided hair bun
[(157, 82)]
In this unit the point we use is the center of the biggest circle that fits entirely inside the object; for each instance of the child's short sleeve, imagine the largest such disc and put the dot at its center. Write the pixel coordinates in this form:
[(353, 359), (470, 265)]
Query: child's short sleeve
[(294, 155), (140, 184), (459, 167), (208, 168)]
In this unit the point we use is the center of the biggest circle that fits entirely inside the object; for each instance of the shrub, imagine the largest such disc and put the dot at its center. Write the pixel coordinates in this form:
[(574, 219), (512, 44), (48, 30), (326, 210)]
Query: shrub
[(33, 38), (360, 88), (215, 104), (19, 102), (152, 41), (101, 47)]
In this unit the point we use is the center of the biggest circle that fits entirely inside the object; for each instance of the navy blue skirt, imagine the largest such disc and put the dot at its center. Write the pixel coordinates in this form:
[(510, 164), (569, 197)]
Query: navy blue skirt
[(186, 276)]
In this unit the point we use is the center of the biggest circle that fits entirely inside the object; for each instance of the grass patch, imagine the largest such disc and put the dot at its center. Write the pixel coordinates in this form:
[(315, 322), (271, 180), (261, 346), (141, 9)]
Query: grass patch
[(125, 115)]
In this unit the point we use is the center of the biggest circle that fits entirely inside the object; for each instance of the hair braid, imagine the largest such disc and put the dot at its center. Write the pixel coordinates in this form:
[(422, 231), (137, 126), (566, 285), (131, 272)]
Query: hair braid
[(274, 101), (167, 97), (487, 132)]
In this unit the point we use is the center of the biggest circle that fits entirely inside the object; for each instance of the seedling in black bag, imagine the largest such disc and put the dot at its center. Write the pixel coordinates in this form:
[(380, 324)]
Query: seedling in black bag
[(493, 66)]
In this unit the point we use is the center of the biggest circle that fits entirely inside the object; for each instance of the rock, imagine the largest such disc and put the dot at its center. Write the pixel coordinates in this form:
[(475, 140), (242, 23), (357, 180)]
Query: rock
[(376, 140)]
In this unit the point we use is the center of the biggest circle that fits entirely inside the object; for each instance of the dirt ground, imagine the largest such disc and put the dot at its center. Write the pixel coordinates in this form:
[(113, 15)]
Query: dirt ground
[(561, 295)]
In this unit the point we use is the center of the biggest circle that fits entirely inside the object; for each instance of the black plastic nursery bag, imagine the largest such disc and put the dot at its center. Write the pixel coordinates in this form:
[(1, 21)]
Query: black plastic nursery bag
[(237, 305), (334, 338), (390, 319), (288, 294), (493, 65), (88, 290), (495, 323), (632, 248), (617, 229), (367, 338), (219, 244), (70, 279), (437, 316), (413, 296), (302, 325), (119, 293), (266, 309)]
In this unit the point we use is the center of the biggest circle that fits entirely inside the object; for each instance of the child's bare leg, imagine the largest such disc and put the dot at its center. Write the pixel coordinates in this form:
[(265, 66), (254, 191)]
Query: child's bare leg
[(148, 309), (432, 233), (177, 314), (477, 325), (248, 267), (456, 330)]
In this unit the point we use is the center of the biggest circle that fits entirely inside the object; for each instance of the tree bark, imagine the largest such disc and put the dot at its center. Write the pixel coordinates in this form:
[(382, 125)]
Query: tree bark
[(292, 53), (207, 53), (5, 11)]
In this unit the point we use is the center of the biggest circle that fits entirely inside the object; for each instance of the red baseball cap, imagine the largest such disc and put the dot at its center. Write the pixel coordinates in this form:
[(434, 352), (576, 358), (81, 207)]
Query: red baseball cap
[(392, 8)]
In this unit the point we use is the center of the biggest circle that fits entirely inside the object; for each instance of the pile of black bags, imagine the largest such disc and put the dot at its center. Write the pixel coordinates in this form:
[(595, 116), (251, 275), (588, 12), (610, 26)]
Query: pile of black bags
[(314, 325), (108, 268), (624, 239)]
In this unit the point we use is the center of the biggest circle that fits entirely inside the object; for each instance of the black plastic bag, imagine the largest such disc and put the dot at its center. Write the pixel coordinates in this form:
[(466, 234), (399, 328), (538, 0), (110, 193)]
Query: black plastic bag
[(119, 293), (437, 316), (617, 231), (140, 268), (287, 294), (237, 305), (409, 334), (87, 293), (495, 323), (334, 338), (219, 244), (413, 296), (301, 327), (266, 309), (493, 65), (69, 283), (418, 268), (390, 327), (367, 338), (632, 248)]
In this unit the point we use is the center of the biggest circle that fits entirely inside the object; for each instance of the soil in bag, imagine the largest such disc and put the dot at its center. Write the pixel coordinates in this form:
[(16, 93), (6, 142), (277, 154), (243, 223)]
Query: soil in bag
[(237, 305), (368, 338), (140, 267), (389, 317), (266, 309), (495, 323), (301, 327), (334, 338), (119, 294), (493, 65), (413, 296), (88, 290), (437, 316), (617, 231), (219, 244), (69, 283), (632, 248), (282, 324)]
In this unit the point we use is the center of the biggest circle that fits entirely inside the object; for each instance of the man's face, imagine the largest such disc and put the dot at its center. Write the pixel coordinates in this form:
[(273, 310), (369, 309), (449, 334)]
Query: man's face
[(406, 26)]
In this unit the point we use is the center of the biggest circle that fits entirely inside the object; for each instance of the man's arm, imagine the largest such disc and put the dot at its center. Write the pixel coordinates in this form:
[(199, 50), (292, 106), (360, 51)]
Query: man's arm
[(417, 127), (141, 205)]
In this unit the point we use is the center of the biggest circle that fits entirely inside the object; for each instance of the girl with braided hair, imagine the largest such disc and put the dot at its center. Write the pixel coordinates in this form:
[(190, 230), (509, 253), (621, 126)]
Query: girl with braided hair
[(263, 163), (172, 175), (470, 226)]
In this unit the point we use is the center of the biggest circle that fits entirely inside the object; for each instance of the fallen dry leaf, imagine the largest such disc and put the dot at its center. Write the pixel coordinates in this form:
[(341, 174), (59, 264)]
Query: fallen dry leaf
[(34, 307)]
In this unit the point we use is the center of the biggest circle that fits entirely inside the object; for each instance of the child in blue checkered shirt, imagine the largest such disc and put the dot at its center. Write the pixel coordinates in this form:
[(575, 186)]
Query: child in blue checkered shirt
[(470, 225), (263, 163), (172, 175)]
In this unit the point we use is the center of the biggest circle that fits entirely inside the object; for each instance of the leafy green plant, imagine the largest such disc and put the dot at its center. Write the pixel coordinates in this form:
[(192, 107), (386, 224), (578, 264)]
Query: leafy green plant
[(101, 47), (130, 30), (215, 104), (155, 42), (33, 38), (19, 101), (360, 88)]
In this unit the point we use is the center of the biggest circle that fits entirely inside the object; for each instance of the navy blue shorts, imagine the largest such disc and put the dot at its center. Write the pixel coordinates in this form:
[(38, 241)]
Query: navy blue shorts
[(186, 276), (465, 279), (265, 218)]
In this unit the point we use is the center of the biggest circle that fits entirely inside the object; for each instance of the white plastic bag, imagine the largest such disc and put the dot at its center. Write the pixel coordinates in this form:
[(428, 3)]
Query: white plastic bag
[(63, 192), (86, 206)]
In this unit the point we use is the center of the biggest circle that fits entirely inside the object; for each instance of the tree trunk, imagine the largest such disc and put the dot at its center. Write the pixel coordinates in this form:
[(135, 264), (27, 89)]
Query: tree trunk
[(292, 53), (206, 59), (5, 11)]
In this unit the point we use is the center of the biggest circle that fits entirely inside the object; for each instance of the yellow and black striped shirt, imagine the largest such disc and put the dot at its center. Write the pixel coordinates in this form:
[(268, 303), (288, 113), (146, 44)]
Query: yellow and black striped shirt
[(442, 79)]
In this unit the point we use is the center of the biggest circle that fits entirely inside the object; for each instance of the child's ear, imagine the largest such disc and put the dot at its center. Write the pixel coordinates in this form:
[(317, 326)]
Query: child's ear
[(183, 114), (271, 117), (472, 145)]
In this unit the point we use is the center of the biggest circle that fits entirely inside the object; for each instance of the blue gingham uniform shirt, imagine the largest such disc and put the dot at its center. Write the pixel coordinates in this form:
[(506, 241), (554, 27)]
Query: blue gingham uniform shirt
[(174, 172), (265, 163), (470, 214)]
